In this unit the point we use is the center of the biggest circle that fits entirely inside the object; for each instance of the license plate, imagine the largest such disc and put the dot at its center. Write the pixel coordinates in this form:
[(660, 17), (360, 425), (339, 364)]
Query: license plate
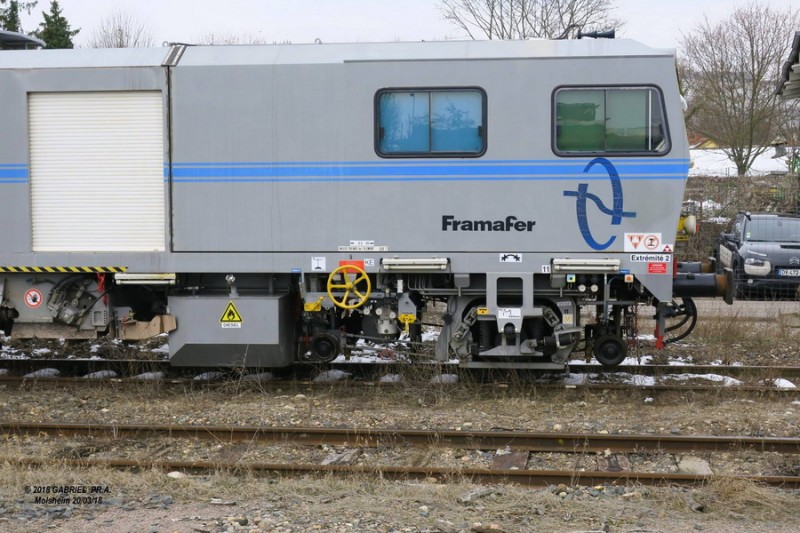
[(789, 272)]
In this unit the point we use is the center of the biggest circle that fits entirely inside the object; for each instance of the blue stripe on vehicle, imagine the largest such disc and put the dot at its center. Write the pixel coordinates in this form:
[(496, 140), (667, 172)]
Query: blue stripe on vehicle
[(496, 170), (13, 173), (418, 171), (443, 162)]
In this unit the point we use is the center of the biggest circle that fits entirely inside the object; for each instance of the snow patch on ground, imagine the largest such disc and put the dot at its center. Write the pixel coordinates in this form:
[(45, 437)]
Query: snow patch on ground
[(44, 373), (208, 376), (330, 376), (641, 381), (101, 374), (784, 384), (430, 336), (150, 376), (714, 162), (726, 380)]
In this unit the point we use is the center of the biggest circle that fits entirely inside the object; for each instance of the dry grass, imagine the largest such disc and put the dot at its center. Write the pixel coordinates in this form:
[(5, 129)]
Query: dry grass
[(722, 502), (727, 504), (734, 498)]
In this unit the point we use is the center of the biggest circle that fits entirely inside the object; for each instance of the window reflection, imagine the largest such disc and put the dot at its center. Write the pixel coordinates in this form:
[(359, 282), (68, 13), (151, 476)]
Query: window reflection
[(435, 122)]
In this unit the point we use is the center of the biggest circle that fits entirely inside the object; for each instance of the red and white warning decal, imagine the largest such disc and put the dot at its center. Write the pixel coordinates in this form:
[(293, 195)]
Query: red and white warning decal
[(646, 242), (33, 298), (657, 268), (358, 263)]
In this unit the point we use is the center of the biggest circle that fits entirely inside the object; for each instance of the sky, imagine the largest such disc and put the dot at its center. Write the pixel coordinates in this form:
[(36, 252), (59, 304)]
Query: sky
[(658, 23)]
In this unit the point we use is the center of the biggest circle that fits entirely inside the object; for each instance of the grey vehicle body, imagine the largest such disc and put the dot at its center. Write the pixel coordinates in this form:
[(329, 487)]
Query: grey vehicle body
[(763, 250), (210, 192)]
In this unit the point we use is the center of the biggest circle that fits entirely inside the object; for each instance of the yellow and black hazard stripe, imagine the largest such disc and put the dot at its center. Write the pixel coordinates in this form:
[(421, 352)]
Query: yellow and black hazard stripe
[(69, 270)]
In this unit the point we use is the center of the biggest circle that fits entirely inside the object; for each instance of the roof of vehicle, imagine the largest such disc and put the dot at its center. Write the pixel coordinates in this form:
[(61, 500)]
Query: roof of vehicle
[(330, 53)]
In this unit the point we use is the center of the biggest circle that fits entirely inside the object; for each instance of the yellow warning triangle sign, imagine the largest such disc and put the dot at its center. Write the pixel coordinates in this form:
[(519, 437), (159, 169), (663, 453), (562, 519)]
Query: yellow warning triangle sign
[(231, 314)]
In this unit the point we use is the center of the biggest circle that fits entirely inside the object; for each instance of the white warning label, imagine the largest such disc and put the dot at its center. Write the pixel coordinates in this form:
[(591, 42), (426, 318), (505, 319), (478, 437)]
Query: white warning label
[(651, 258)]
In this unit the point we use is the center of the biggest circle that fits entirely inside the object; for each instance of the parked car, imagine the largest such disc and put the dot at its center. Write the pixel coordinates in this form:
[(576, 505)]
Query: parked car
[(763, 250)]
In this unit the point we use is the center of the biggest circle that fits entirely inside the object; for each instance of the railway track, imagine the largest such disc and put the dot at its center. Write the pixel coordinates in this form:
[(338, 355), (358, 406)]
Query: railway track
[(191, 384), (786, 372), (358, 438), (533, 478), (373, 438), (688, 381), (132, 367)]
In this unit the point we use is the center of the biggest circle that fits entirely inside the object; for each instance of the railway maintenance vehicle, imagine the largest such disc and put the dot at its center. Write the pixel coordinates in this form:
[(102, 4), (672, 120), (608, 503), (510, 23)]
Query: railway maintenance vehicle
[(270, 205)]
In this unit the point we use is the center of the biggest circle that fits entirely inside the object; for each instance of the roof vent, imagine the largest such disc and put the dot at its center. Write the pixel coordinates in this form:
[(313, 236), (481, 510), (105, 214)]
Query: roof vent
[(610, 34)]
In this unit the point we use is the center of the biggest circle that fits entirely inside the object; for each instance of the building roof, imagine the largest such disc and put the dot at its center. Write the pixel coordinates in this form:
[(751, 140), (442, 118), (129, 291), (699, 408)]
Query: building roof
[(790, 79), (18, 41)]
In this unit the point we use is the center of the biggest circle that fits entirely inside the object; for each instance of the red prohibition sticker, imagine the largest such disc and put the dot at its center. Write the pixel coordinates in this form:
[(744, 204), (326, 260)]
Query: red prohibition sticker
[(33, 298), (656, 268), (651, 242), (359, 263)]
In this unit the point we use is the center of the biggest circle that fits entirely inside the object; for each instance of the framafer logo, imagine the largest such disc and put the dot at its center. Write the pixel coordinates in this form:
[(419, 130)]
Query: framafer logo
[(510, 223), (616, 212)]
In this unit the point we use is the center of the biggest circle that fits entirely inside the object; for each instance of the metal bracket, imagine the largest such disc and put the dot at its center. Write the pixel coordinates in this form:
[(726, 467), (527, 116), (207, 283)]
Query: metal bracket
[(467, 323)]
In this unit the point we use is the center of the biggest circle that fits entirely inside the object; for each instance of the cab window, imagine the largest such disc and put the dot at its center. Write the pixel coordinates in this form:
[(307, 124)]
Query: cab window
[(430, 122), (609, 120)]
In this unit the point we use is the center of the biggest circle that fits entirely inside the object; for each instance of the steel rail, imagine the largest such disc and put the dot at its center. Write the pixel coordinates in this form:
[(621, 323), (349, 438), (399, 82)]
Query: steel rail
[(666, 370), (129, 366), (666, 387), (373, 438), (84, 382), (719, 388), (535, 478)]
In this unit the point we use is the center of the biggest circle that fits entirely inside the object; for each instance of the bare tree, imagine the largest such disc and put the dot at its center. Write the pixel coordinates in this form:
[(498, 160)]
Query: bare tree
[(229, 39), (121, 30), (732, 73), (523, 19)]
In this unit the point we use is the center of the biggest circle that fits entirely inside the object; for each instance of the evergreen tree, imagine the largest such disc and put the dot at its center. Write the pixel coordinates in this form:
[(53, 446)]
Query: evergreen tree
[(9, 16), (55, 30), (10, 19)]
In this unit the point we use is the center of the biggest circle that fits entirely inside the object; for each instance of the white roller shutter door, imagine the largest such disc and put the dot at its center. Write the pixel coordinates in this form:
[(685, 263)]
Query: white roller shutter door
[(97, 171)]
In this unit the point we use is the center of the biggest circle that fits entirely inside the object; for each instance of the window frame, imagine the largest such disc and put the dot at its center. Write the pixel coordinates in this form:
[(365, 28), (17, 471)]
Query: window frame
[(614, 153), (428, 155)]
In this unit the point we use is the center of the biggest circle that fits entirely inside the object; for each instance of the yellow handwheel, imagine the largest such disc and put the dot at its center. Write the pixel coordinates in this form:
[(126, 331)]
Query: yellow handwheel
[(349, 286)]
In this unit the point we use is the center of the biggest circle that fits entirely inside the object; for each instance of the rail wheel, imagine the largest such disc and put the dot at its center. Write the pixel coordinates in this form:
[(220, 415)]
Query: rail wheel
[(325, 347), (610, 350), (356, 285)]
